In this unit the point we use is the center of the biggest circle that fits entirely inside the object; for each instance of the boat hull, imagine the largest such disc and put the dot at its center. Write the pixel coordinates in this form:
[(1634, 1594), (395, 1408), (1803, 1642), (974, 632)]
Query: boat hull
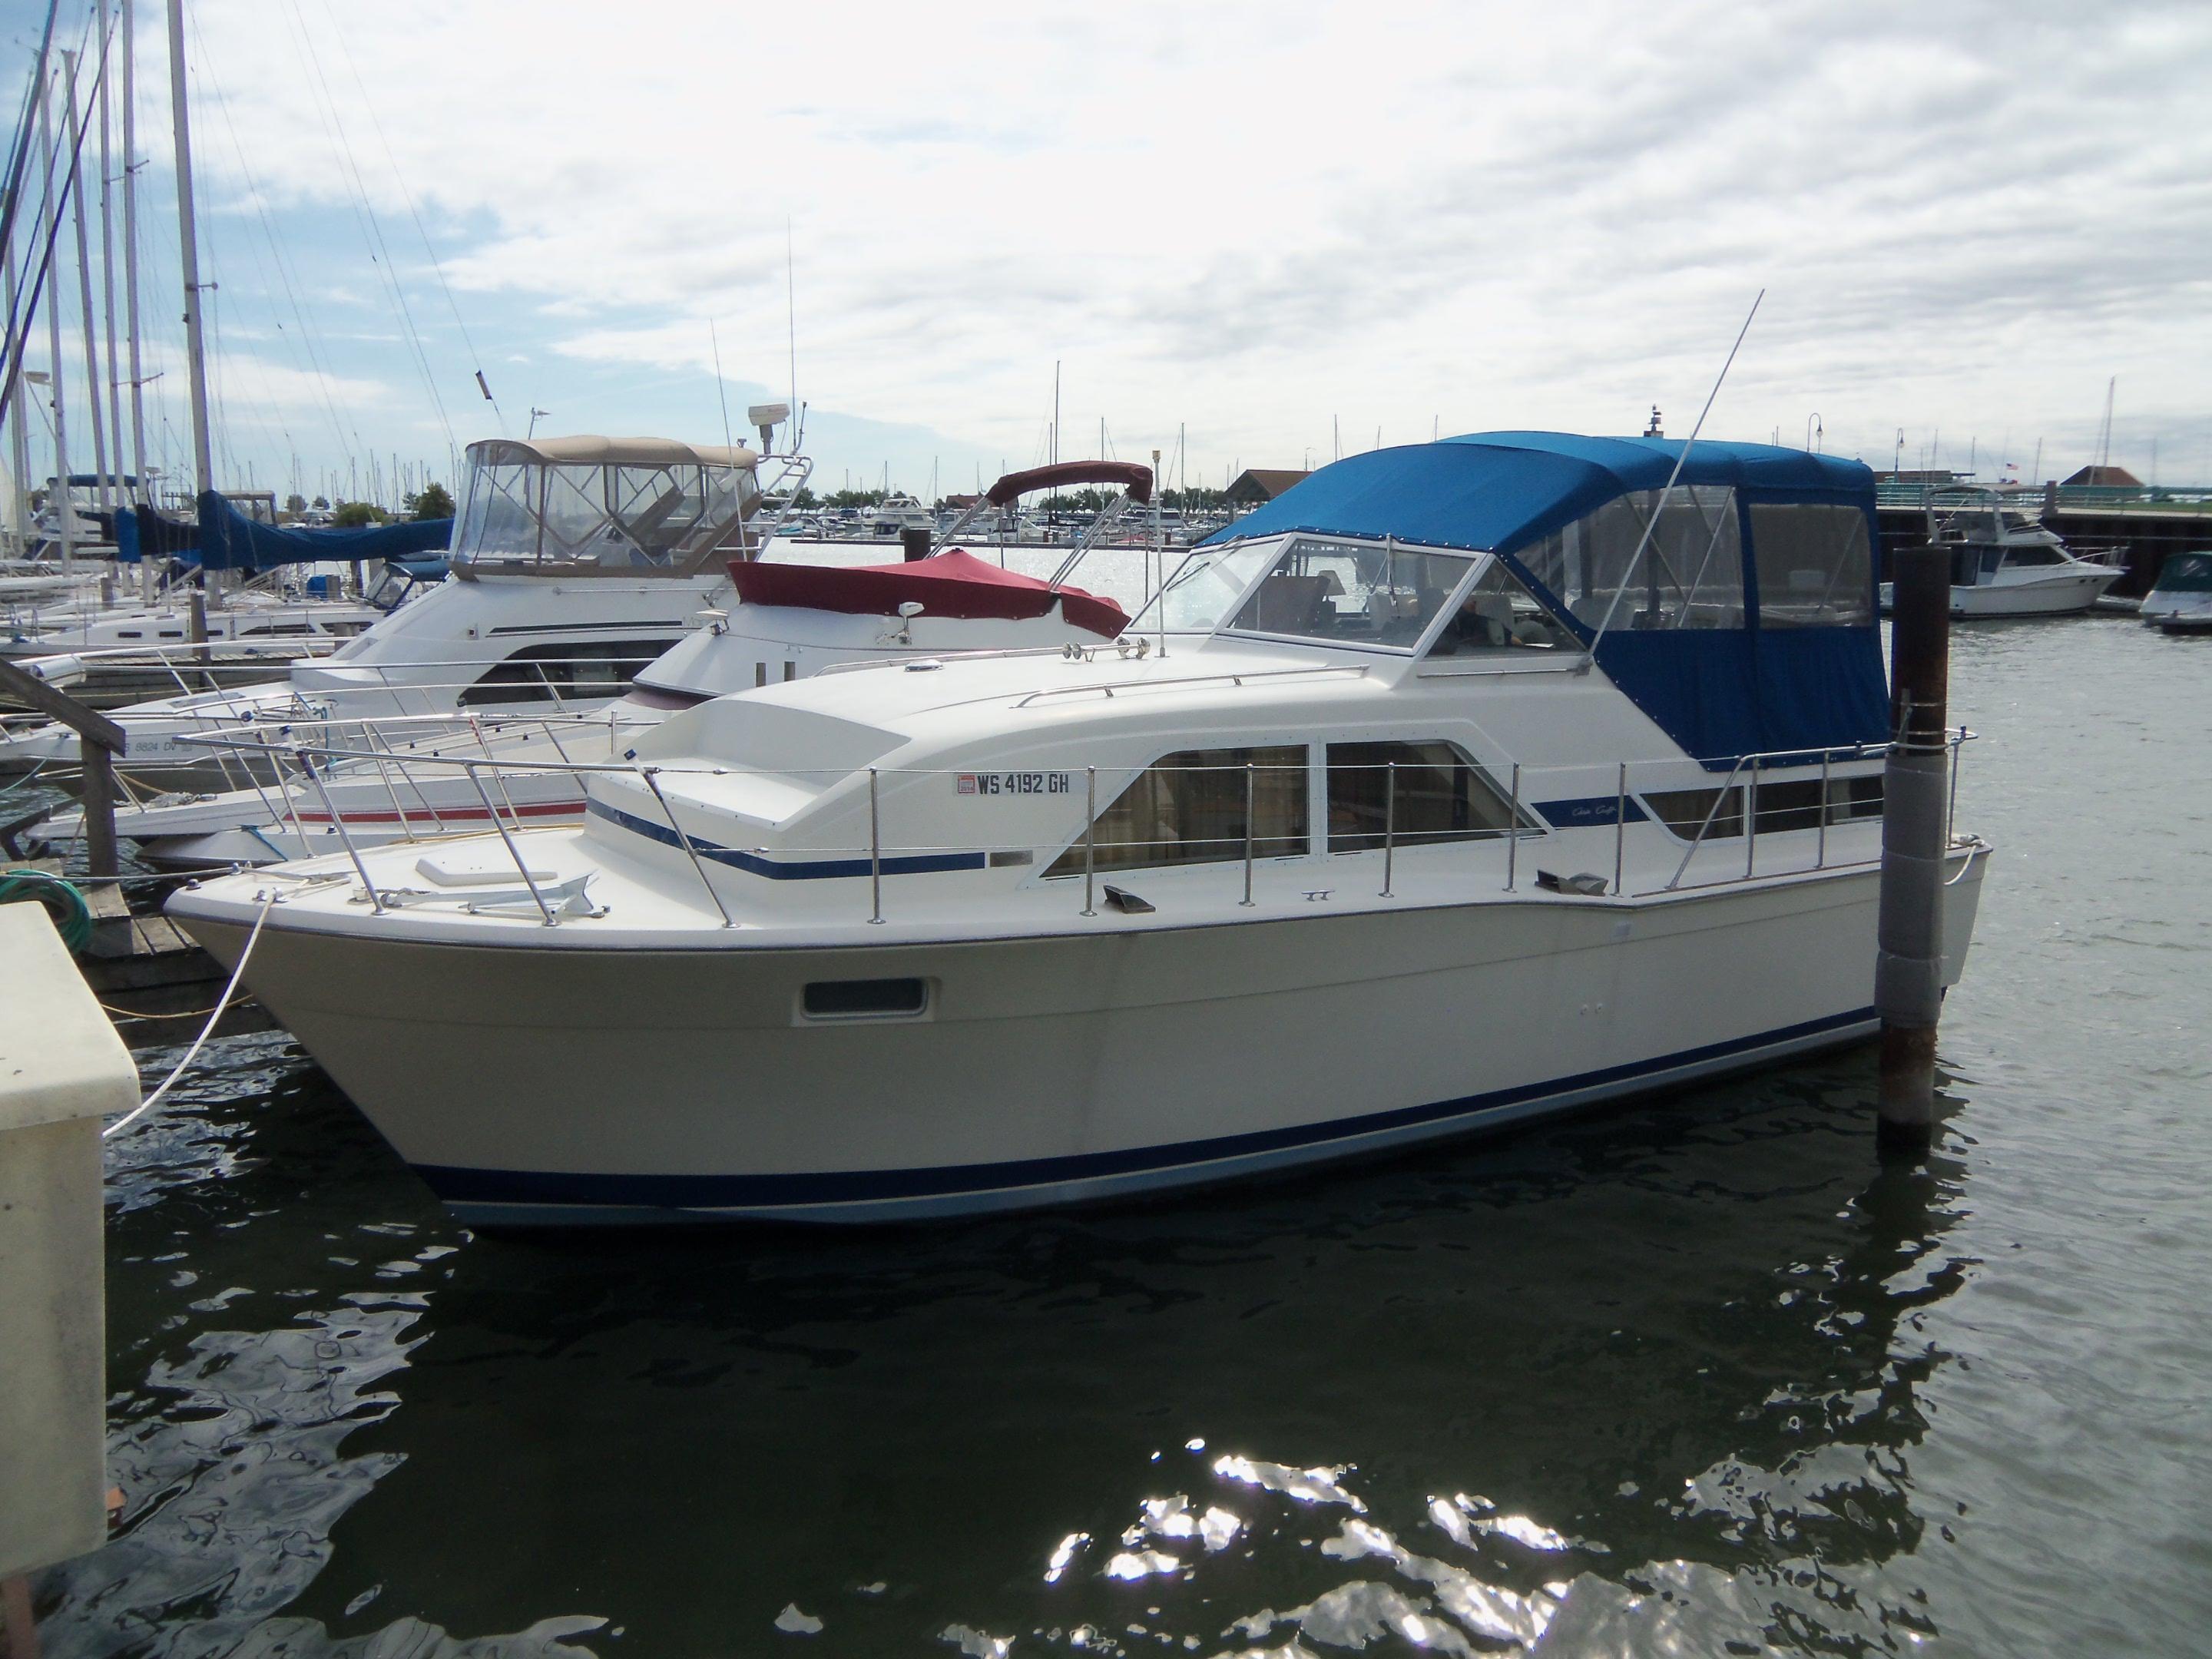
[(2055, 596), (564, 1085)]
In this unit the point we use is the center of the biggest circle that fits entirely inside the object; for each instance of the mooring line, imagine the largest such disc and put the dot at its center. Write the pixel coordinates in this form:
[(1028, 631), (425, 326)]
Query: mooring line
[(206, 1030)]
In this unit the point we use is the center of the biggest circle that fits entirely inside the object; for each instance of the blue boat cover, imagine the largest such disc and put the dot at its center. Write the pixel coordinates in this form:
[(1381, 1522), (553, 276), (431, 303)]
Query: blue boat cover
[(231, 540), (241, 544), (1720, 693)]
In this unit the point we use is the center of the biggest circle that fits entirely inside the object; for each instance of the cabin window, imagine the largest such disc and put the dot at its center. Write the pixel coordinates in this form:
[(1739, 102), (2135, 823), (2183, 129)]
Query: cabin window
[(1690, 575), (1441, 795), (128, 634), (570, 669), (1790, 804), (1362, 593), (1189, 808), (2020, 558), (1814, 567), (1500, 615)]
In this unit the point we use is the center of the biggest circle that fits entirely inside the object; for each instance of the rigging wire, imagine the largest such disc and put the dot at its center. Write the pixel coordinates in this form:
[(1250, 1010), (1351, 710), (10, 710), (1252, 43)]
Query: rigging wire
[(17, 340), (437, 265), (379, 251), (318, 368)]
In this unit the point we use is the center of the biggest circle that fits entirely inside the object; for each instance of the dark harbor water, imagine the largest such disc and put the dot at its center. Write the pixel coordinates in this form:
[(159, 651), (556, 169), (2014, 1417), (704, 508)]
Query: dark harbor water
[(1692, 1377)]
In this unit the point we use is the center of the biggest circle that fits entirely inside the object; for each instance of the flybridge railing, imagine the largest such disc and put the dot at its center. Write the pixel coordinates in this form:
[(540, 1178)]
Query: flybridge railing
[(1206, 822)]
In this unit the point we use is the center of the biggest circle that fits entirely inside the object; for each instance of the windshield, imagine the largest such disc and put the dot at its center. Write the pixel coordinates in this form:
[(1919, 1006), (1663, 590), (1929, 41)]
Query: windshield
[(1364, 593), (1204, 588)]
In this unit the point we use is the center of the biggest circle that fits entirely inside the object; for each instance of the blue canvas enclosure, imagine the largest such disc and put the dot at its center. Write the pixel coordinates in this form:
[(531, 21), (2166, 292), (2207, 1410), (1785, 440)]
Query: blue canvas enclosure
[(243, 543), (231, 540), (1740, 629)]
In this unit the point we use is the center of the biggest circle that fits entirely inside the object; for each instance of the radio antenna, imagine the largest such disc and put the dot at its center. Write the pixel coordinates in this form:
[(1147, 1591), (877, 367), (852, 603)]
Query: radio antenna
[(1652, 524), (790, 316)]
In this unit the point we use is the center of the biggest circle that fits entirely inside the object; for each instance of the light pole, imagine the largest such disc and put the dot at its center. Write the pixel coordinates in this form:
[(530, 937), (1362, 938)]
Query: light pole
[(1814, 429)]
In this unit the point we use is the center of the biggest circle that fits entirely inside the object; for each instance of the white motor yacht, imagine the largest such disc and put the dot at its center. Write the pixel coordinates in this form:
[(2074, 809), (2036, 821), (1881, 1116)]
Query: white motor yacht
[(1464, 783), (783, 621), (574, 561), (2005, 562)]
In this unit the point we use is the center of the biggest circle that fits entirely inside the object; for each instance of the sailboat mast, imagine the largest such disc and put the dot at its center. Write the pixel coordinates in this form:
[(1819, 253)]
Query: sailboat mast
[(130, 251), (117, 499), (84, 290), (187, 236), (19, 440), (58, 499)]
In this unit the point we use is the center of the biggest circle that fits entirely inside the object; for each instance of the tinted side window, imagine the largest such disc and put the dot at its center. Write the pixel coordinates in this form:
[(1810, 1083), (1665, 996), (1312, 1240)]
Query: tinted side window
[(1412, 794), (574, 668), (1189, 808)]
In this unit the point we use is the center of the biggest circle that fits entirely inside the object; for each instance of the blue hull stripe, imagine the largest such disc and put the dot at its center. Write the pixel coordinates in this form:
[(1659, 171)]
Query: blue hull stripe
[(911, 864), (713, 1192)]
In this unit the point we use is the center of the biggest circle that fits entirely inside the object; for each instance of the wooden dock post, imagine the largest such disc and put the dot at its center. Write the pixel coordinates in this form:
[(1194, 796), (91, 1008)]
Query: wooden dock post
[(99, 741), (1908, 986)]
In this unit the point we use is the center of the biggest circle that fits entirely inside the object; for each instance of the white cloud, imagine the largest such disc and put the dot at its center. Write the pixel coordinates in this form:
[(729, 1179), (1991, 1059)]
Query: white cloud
[(1256, 218)]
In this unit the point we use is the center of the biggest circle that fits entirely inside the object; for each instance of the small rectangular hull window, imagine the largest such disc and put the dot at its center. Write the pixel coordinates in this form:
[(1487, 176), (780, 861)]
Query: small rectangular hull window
[(1189, 808)]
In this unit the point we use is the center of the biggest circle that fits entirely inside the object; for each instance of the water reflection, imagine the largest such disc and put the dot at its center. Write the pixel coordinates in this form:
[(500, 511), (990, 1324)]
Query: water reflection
[(1644, 1378)]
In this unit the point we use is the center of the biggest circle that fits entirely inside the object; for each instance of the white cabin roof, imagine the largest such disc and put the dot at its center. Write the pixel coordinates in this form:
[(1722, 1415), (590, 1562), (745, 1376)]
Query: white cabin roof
[(585, 449)]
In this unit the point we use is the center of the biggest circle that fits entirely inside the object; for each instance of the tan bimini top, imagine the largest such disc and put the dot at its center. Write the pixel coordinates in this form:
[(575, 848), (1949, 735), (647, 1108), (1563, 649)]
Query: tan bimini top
[(587, 449)]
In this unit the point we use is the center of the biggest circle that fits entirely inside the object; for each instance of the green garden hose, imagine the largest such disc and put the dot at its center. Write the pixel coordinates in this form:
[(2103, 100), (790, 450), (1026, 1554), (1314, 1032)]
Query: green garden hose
[(72, 916)]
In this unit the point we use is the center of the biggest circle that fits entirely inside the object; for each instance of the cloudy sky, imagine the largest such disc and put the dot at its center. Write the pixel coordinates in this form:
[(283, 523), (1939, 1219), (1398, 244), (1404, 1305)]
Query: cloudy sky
[(1280, 227)]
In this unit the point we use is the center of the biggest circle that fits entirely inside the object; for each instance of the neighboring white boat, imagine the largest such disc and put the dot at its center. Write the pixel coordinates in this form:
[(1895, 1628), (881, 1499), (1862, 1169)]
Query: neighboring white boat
[(897, 513), (2006, 562), (2183, 592), (575, 563), (785, 621), (1442, 808), (89, 625)]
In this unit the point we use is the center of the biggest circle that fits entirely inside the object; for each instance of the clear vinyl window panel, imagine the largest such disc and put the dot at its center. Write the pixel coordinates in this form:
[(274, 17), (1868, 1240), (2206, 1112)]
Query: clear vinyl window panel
[(1690, 574), (1500, 618), (1440, 795), (1815, 566), (1364, 593), (617, 517), (1190, 808)]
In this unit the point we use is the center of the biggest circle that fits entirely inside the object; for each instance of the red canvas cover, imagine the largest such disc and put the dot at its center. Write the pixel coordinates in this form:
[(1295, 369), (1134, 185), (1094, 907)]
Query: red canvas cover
[(953, 583)]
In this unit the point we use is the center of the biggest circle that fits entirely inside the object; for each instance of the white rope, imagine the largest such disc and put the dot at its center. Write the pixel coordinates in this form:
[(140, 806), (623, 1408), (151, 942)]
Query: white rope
[(206, 1030)]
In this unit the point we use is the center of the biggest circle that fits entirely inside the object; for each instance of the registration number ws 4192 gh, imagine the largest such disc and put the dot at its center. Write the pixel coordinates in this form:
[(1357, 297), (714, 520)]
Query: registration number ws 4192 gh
[(1011, 783)]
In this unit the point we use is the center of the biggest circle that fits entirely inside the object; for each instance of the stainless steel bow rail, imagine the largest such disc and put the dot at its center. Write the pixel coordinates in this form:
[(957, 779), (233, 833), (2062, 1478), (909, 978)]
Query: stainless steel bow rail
[(1215, 822)]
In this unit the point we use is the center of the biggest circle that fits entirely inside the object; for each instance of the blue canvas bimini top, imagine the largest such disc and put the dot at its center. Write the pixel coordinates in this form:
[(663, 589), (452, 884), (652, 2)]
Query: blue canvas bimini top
[(1720, 693), (1497, 491)]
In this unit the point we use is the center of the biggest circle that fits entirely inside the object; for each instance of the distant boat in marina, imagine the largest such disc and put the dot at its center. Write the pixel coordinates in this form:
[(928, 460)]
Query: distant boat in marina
[(2005, 562), (2180, 602)]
